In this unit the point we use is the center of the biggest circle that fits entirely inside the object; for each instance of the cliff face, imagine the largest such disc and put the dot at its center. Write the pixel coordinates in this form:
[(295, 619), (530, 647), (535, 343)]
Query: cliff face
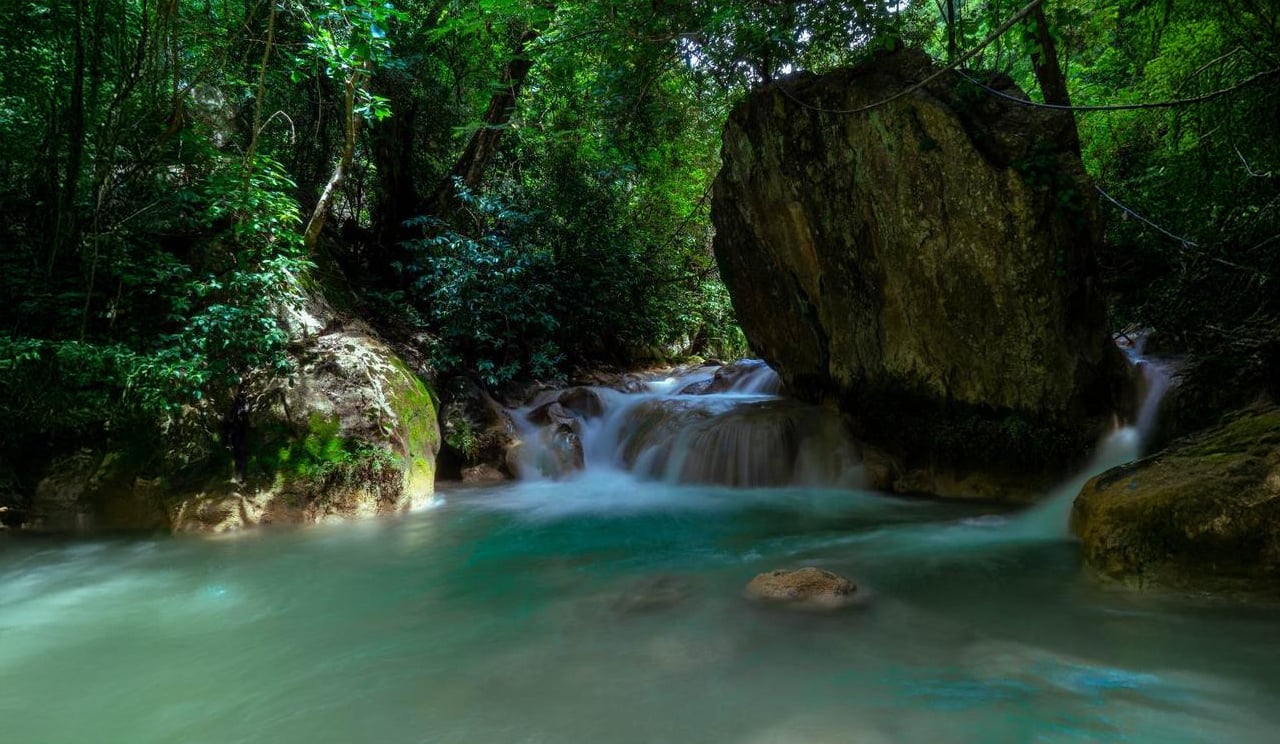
[(927, 266)]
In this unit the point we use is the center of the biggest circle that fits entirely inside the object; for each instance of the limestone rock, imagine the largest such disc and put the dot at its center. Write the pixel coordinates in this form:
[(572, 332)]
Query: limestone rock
[(811, 588), (927, 266), (561, 450), (353, 434), (742, 376), (483, 473), (59, 502), (1204, 513), (557, 419)]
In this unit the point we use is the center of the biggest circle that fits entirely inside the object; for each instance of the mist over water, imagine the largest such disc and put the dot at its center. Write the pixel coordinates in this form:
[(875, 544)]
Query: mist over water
[(608, 608)]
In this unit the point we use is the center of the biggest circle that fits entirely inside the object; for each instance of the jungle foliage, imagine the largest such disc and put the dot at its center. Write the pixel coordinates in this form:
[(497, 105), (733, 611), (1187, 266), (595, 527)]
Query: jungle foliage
[(1191, 191), (524, 185)]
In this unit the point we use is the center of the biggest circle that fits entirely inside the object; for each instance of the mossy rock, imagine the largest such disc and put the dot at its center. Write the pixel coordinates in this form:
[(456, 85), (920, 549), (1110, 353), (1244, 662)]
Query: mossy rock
[(353, 434), (1204, 513)]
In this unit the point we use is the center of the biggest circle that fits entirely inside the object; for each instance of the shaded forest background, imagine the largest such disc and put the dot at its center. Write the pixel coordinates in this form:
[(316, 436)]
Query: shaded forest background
[(521, 189)]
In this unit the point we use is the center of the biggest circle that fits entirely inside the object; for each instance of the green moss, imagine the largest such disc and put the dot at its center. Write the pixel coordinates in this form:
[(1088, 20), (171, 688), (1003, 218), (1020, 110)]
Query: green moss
[(413, 405), (1243, 433), (278, 450), (878, 123), (1198, 515)]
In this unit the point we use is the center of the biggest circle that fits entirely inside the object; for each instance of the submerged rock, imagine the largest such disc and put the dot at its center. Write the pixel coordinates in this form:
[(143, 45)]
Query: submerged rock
[(1204, 513), (809, 588), (651, 594), (928, 266)]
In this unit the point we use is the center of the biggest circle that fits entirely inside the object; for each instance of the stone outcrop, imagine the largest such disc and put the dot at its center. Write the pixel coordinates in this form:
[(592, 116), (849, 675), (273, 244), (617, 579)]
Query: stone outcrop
[(352, 433), (478, 432), (805, 588), (927, 266), (1204, 513)]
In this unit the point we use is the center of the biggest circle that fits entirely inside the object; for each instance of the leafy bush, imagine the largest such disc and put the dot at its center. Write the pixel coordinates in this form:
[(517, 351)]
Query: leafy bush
[(529, 291), (190, 323), (488, 295)]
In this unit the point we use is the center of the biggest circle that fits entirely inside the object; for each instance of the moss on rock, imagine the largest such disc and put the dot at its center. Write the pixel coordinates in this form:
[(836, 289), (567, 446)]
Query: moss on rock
[(353, 434), (1204, 513)]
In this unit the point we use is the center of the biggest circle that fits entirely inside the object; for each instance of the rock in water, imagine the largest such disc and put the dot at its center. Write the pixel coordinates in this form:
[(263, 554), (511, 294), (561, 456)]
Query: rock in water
[(811, 588), (928, 266), (1205, 513)]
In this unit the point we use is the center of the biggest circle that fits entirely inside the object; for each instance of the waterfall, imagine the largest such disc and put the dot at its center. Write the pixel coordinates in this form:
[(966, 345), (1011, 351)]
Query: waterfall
[(731, 426), (713, 426), (1051, 517)]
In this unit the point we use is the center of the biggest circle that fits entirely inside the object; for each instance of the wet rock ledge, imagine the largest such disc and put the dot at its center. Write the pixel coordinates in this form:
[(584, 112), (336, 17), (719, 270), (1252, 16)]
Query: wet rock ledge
[(1203, 514)]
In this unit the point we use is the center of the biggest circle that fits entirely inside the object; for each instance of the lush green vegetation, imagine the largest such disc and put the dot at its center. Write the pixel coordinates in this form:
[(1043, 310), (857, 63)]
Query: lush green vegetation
[(1191, 190), (525, 185)]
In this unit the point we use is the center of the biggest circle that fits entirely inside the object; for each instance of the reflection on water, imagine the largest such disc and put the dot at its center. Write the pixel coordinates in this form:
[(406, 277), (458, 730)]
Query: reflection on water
[(609, 610)]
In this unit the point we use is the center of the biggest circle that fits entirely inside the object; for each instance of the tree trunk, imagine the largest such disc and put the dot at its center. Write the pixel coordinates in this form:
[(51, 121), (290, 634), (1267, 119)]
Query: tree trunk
[(65, 224), (952, 46), (484, 143), (393, 140), (352, 121), (1053, 84)]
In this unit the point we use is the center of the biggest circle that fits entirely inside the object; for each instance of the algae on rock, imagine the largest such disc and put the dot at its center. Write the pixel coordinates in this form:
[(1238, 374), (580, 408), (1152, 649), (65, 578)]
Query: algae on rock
[(353, 433)]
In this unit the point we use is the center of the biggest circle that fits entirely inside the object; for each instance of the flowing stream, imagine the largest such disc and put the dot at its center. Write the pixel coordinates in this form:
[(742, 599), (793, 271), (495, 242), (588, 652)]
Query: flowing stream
[(608, 608)]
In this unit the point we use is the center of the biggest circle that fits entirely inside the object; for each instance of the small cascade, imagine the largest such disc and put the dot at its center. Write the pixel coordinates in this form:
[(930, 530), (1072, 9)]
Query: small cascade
[(1051, 517), (709, 425), (752, 377), (1156, 379), (730, 426), (770, 442)]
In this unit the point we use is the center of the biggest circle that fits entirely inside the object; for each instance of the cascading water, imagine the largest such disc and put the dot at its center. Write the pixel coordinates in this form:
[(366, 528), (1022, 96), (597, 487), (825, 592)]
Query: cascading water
[(714, 426), (1050, 519), (730, 426)]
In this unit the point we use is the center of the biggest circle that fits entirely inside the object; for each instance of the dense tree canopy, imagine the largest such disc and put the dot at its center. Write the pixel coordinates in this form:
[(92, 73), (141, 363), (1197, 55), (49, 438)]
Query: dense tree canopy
[(523, 187)]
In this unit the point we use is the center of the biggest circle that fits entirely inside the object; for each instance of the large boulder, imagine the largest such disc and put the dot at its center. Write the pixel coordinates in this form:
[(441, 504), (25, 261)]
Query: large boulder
[(927, 266), (351, 433), (1204, 513)]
